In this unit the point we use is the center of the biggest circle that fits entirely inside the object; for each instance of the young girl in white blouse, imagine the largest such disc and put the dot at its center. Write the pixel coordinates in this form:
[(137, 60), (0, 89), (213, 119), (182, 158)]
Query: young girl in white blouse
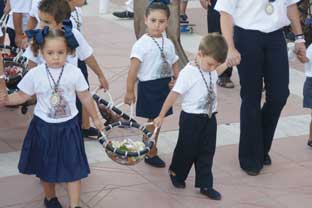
[(53, 147), (53, 13), (153, 63)]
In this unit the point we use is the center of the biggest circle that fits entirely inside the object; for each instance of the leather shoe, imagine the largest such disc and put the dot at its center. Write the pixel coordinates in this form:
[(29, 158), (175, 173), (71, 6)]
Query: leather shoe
[(211, 193), (252, 172), (267, 160), (175, 180), (155, 161)]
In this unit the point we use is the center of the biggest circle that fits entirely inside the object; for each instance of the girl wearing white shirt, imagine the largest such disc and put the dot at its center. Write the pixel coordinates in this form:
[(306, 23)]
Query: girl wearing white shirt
[(196, 144), (53, 148), (153, 62), (254, 33), (53, 13)]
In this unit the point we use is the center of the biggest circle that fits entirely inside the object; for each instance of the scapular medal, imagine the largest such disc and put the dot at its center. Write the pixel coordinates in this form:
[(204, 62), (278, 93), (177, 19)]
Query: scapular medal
[(211, 100), (269, 8), (55, 98), (165, 68)]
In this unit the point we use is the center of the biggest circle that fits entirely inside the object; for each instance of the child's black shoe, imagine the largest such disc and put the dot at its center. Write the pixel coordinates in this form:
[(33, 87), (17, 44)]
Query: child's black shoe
[(211, 193), (175, 181), (155, 161), (52, 203)]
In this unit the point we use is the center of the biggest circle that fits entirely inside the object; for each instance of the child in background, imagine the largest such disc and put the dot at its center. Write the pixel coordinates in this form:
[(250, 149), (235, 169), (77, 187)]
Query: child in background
[(53, 148), (52, 13), (198, 126), (153, 59), (307, 88)]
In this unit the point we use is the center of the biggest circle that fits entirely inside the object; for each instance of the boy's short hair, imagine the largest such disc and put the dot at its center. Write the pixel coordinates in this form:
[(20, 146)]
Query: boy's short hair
[(215, 46), (59, 9)]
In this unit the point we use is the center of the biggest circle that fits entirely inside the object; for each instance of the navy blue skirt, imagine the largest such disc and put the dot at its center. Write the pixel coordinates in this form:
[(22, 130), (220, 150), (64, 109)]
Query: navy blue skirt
[(151, 96), (307, 93), (54, 152)]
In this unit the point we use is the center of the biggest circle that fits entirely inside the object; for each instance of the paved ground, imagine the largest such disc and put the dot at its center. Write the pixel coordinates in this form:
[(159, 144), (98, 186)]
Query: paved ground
[(285, 184)]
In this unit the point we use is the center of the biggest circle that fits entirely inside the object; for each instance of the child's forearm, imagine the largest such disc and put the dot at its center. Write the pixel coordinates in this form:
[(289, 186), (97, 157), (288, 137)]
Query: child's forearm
[(170, 100), (17, 98), (132, 74), (87, 101), (131, 82), (176, 69), (220, 69), (17, 22), (94, 66), (32, 23)]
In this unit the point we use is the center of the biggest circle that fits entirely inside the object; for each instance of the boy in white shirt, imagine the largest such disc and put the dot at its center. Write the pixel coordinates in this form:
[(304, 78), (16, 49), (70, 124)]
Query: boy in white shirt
[(196, 144)]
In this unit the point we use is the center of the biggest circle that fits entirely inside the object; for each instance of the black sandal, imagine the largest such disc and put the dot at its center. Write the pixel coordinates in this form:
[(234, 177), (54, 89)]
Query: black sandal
[(225, 82), (309, 143)]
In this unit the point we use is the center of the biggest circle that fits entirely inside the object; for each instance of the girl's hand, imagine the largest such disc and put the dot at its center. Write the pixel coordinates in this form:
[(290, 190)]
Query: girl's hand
[(158, 121), (171, 83), (233, 57), (103, 83), (99, 124), (129, 98)]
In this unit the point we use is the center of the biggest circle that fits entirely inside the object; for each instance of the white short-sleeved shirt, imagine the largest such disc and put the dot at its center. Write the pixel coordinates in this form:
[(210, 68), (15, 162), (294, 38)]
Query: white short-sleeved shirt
[(83, 51), (251, 15), (308, 65), (192, 87), (34, 11), (10, 23), (20, 6), (36, 82), (76, 18), (146, 50), (75, 15)]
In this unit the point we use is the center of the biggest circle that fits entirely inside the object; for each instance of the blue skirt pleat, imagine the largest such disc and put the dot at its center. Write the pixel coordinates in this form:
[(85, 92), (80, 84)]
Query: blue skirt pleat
[(54, 152), (151, 96)]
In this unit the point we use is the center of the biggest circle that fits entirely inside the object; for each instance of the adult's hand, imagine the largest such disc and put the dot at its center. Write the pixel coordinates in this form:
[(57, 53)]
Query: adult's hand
[(233, 57)]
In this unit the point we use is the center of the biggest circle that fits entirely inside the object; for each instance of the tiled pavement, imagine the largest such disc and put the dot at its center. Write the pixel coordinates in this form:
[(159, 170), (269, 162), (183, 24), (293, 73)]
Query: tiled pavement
[(285, 184)]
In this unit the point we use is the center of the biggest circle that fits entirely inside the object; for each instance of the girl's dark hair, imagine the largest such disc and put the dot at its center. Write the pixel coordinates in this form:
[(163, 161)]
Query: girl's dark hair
[(53, 33), (59, 9), (157, 5)]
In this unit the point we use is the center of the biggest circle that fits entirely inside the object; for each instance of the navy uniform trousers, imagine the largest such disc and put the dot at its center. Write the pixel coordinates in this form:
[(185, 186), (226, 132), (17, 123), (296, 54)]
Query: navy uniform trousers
[(264, 60), (196, 145)]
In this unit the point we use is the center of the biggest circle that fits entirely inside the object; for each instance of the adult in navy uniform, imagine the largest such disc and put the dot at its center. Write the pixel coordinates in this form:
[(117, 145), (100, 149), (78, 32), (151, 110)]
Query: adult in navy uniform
[(253, 31)]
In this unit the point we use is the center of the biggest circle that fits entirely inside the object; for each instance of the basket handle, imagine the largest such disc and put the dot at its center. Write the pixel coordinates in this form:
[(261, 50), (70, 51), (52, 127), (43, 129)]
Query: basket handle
[(131, 109), (154, 132), (111, 102)]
